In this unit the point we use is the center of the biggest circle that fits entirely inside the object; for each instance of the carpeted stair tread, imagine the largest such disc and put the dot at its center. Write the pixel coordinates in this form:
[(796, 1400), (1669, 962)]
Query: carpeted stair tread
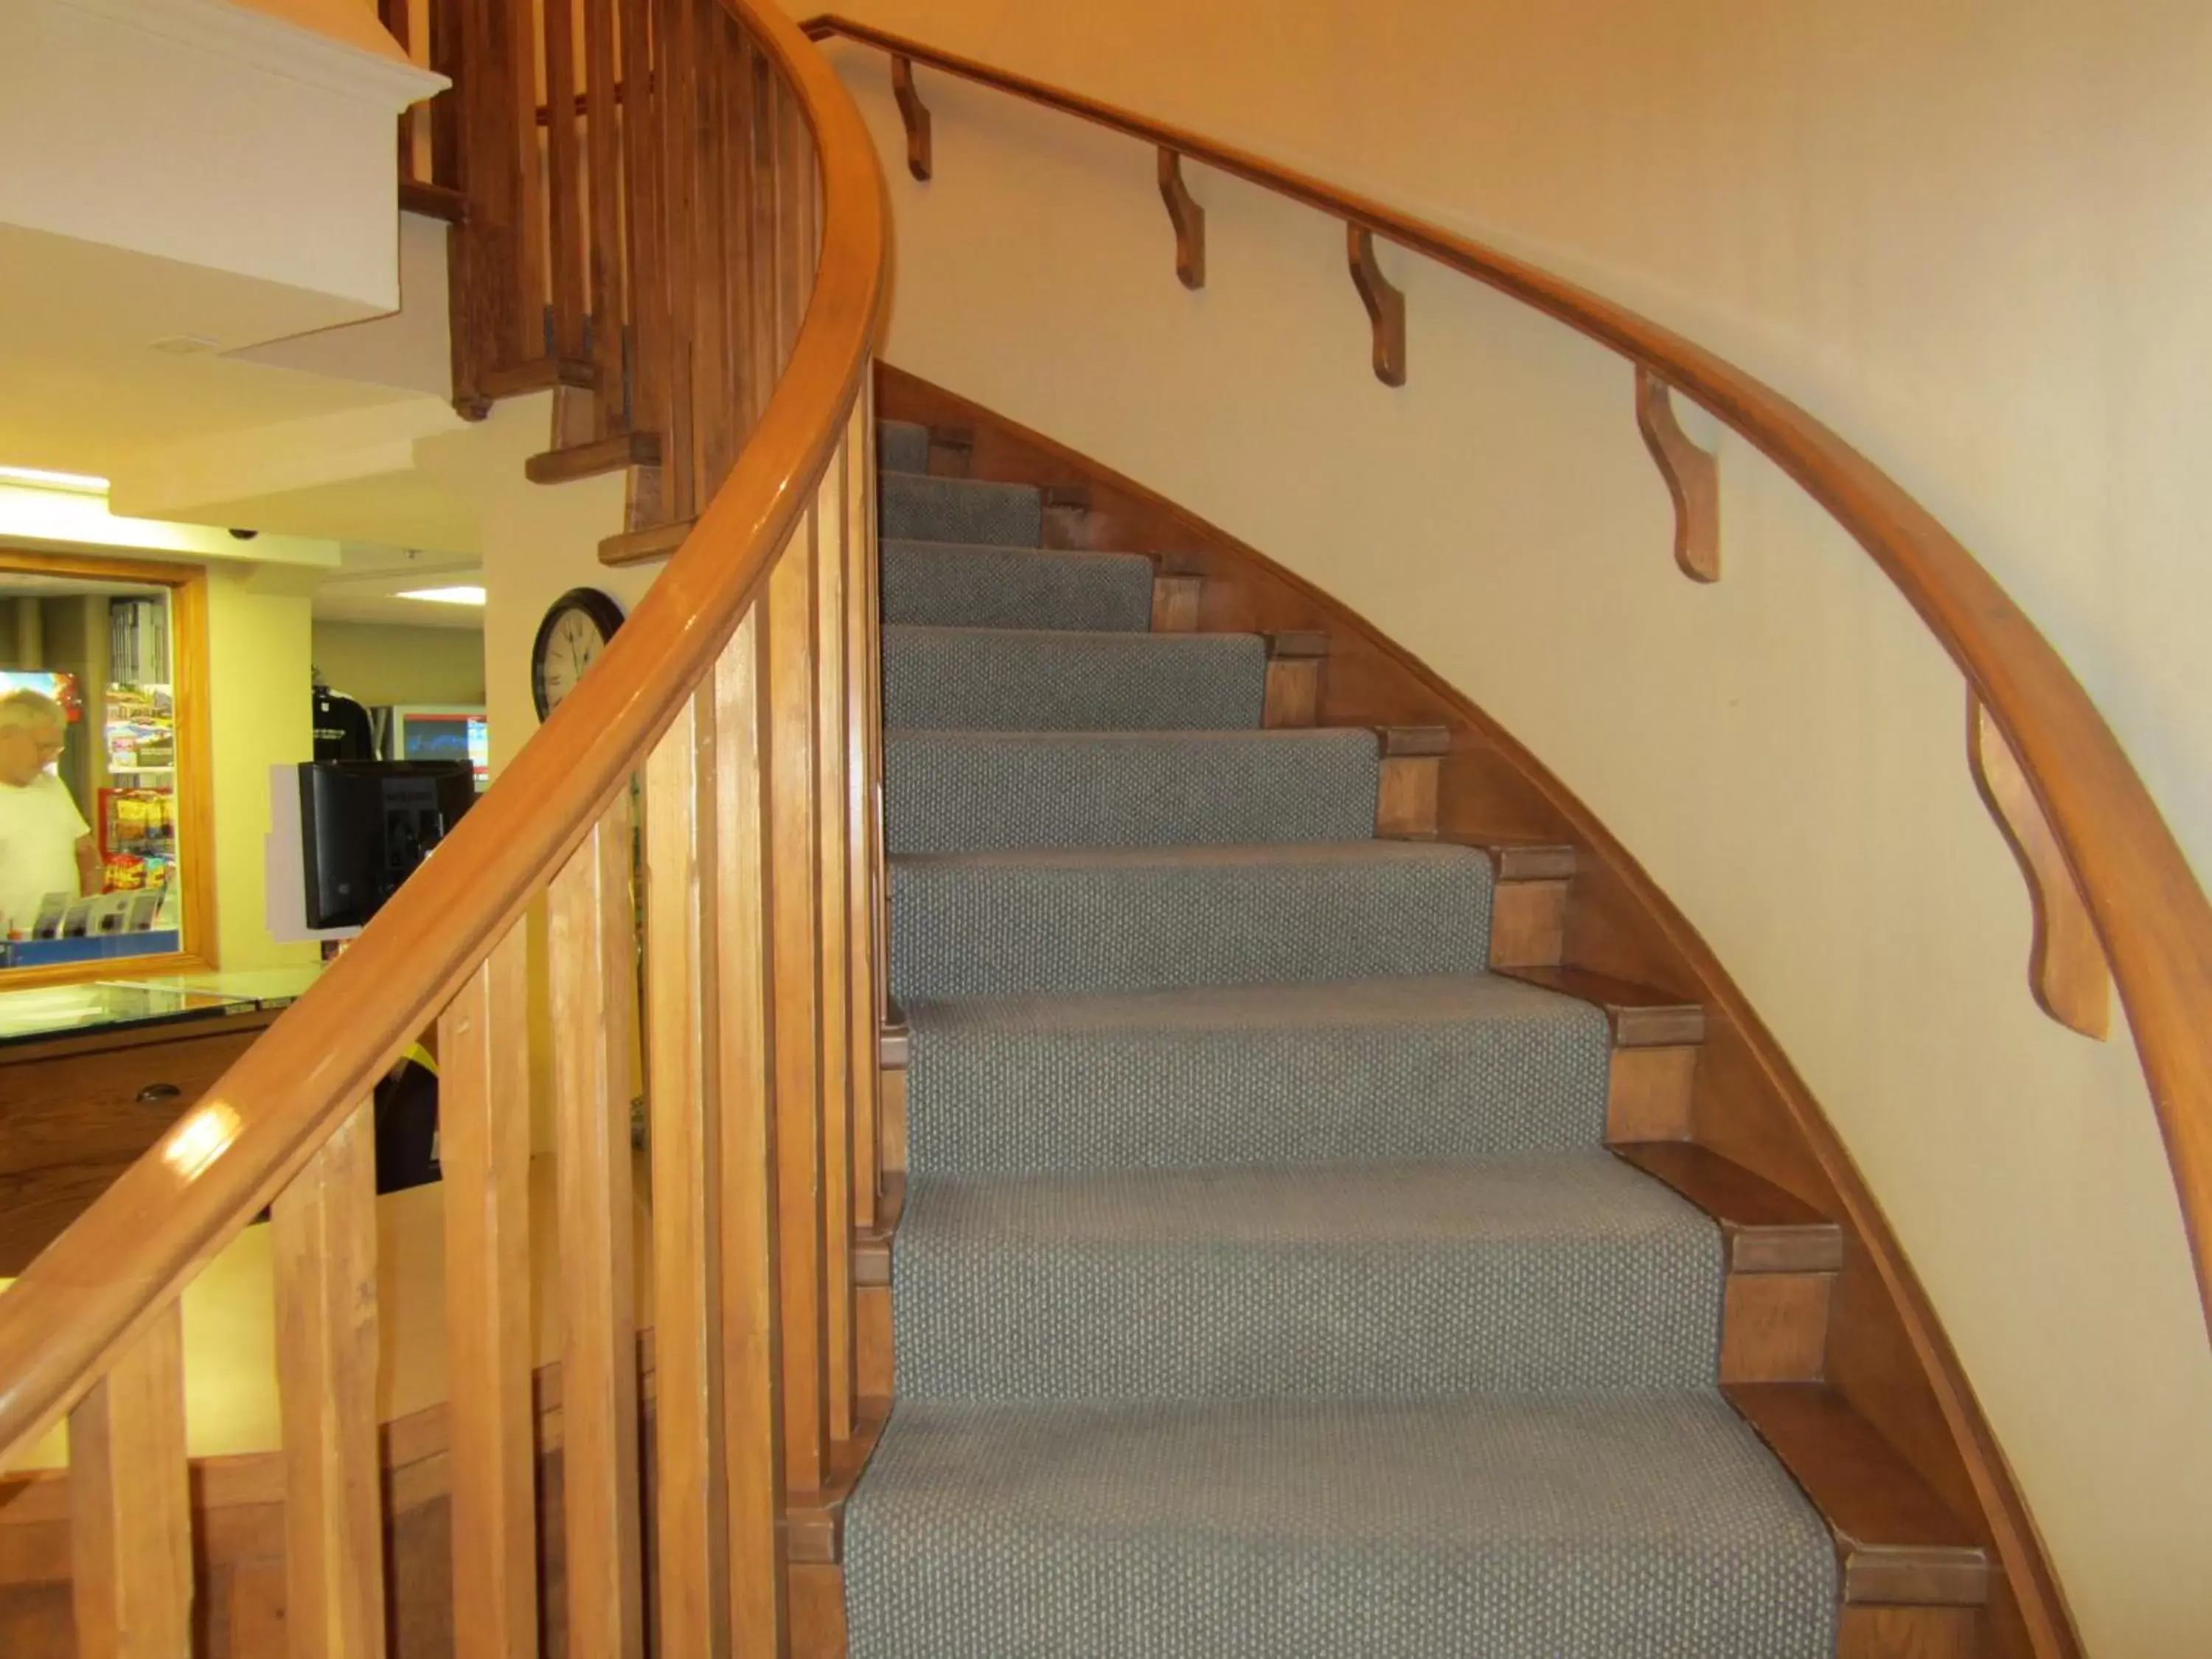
[(1033, 680), (984, 791), (1353, 1072), (1262, 1285), (901, 446), (1554, 1271), (957, 585), (1607, 1527), (1027, 923), (913, 508)]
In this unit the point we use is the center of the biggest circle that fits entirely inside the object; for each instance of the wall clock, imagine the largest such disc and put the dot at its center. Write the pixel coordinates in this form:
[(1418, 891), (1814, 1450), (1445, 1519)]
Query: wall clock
[(576, 629)]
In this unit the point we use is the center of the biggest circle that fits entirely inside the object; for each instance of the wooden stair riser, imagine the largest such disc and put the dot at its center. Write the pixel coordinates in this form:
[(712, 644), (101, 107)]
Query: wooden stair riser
[(1869, 1632), (1412, 774), (1294, 678), (1774, 1327), (951, 451), (1066, 519), (1528, 924), (1177, 600)]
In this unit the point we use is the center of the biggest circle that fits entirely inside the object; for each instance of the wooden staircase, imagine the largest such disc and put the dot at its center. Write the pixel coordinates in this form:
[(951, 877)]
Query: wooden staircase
[(687, 244)]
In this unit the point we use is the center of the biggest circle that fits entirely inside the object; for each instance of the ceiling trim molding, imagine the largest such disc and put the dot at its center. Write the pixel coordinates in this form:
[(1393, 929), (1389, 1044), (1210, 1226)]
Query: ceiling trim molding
[(264, 41)]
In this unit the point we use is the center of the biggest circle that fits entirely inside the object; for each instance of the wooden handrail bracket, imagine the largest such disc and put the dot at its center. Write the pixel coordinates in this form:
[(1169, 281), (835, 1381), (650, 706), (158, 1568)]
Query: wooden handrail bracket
[(2066, 967), (915, 114), (1188, 218), (1386, 306), (1693, 478)]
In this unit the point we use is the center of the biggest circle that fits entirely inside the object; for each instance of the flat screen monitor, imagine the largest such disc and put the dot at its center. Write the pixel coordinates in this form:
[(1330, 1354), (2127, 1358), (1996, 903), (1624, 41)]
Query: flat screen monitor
[(366, 825), (433, 731)]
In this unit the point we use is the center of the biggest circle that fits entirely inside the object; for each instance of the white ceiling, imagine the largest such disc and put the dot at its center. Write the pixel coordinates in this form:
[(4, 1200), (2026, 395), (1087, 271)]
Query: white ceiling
[(366, 584), (82, 386)]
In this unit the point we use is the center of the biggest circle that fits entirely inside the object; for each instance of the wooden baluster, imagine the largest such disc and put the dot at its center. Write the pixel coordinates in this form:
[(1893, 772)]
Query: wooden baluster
[(681, 981), (713, 434), (871, 528), (484, 1139), (324, 1237), (834, 863), (762, 288), (498, 286), (592, 964), (604, 136), (794, 234), (751, 1345), (130, 1521), (564, 163), (394, 15), (860, 740), (514, 25), (445, 49), (676, 32), (643, 178), (745, 397), (796, 951)]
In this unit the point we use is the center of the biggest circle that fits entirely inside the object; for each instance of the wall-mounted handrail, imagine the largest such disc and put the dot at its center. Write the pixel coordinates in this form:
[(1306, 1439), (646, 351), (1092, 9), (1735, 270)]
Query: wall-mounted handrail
[(2150, 916), (115, 1273)]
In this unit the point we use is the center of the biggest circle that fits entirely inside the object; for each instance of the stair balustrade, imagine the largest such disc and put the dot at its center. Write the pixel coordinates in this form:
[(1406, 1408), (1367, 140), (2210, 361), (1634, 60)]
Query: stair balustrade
[(698, 251)]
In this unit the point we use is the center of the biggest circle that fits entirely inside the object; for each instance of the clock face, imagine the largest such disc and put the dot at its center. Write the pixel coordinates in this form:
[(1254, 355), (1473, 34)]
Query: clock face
[(576, 631)]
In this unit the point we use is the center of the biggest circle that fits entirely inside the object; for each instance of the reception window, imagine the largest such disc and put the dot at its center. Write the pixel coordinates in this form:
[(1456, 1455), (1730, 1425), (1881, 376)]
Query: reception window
[(103, 770)]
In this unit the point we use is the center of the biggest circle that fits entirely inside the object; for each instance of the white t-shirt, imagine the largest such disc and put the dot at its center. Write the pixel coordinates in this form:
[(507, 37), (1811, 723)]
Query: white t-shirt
[(39, 828)]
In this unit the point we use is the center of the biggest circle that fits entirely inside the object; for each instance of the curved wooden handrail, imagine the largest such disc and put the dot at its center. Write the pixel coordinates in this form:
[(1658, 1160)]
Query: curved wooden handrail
[(131, 1254), (2151, 916)]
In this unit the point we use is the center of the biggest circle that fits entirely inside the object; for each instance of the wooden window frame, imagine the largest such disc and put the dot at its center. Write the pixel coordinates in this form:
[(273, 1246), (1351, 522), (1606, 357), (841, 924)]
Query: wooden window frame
[(195, 774)]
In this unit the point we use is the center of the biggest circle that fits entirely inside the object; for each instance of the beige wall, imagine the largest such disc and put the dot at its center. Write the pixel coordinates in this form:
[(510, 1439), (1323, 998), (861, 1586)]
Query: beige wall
[(261, 710), (538, 541), (1974, 238), (378, 663)]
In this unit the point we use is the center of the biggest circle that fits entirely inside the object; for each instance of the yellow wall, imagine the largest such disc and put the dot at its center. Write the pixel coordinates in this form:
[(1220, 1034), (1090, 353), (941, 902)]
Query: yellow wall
[(538, 541), (1975, 238), (260, 707), (377, 663)]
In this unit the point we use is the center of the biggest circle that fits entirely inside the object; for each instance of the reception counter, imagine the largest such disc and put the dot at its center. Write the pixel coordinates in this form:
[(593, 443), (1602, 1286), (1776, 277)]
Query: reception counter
[(92, 1075)]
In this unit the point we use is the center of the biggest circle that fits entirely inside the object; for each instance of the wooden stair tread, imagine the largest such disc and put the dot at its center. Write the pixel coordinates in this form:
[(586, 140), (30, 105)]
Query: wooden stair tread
[(894, 1040), (872, 1245), (1521, 861), (433, 201), (814, 1521), (1767, 1230), (1297, 642), (541, 374), (608, 454), (1896, 1541), (1642, 1018), (655, 541), (1413, 741)]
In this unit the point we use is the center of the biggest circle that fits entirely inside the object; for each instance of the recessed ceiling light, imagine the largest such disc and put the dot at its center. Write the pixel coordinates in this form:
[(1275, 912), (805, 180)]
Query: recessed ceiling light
[(38, 479), (447, 595), (185, 345)]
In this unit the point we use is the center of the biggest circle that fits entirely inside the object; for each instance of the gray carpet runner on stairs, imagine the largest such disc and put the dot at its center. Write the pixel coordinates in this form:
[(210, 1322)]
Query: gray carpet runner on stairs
[(1263, 1286)]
